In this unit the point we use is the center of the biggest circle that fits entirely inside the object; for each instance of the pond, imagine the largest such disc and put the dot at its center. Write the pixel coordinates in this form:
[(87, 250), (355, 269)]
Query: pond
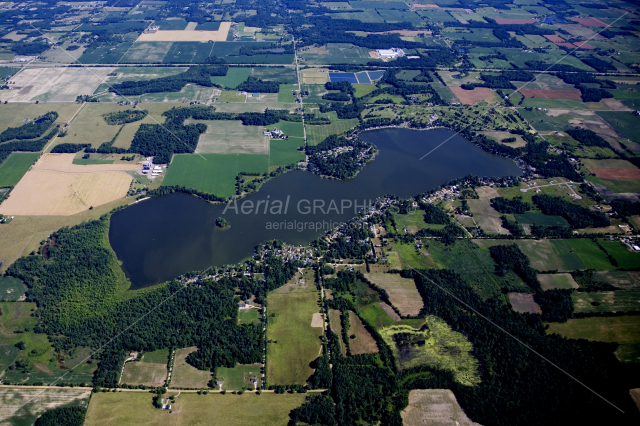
[(161, 238)]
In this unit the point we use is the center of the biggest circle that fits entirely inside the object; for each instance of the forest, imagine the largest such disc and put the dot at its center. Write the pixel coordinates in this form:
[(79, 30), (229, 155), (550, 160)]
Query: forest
[(253, 84), (126, 116), (510, 206), (577, 216), (587, 137), (31, 130)]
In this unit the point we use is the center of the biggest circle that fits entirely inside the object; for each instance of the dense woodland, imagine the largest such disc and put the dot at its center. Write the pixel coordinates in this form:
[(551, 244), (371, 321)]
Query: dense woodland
[(126, 116), (31, 130)]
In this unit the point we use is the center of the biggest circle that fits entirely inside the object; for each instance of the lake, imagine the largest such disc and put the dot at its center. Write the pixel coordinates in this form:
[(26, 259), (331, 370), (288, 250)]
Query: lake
[(161, 238)]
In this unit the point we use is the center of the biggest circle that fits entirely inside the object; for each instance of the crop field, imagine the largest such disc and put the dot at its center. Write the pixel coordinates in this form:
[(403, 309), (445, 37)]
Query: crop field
[(470, 97), (607, 301), (146, 52), (524, 303), (144, 373), (55, 186), (294, 342), (285, 152), (620, 279), (437, 351), (551, 94), (21, 407), (231, 137), (318, 133), (557, 281), (239, 377), (617, 174), (434, 407), (592, 256), (185, 375), (54, 84), (131, 408), (544, 255), (607, 164), (15, 166), (286, 93), (11, 289), (314, 76), (486, 216), (337, 53), (402, 292), (213, 173), (234, 77), (188, 35), (625, 258), (363, 342)]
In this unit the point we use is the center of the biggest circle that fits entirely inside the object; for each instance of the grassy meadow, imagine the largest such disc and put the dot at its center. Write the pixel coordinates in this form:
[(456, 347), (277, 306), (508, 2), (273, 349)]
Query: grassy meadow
[(185, 375), (15, 166)]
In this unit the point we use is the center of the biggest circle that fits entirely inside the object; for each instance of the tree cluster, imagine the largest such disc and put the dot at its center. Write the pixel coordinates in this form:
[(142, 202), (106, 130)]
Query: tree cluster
[(577, 216)]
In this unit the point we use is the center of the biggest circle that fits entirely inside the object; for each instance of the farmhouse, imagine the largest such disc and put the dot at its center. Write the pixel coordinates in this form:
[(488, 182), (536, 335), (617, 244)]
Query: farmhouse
[(392, 53)]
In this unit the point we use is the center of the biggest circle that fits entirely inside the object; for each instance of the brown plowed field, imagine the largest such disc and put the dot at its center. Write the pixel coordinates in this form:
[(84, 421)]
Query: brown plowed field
[(554, 38), (469, 97), (508, 21), (617, 174), (590, 22), (583, 45), (551, 94)]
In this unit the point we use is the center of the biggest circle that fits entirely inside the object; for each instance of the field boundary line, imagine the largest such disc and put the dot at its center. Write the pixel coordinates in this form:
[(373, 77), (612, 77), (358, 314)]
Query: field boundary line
[(515, 338), (147, 115), (523, 86)]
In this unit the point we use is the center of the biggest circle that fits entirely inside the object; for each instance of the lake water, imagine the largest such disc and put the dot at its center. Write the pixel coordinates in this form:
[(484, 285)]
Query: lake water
[(161, 238)]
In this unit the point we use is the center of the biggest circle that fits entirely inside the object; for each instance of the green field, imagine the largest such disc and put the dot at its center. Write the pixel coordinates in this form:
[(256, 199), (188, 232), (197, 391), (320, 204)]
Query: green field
[(592, 256), (238, 377), (290, 128), (544, 255), (286, 93), (540, 219), (625, 258), (213, 173), (130, 408), (285, 152), (186, 376), (234, 77), (318, 133), (617, 186), (557, 281), (607, 301), (624, 122), (294, 343), (11, 289), (161, 356), (15, 166), (248, 316)]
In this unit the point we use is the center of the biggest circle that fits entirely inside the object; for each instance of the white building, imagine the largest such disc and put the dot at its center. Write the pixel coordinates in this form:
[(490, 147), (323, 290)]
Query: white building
[(392, 53)]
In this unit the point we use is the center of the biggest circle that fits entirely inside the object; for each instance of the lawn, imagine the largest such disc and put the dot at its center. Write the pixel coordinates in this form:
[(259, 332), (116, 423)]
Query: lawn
[(234, 77), (15, 166), (213, 173), (186, 376), (592, 256), (625, 258), (239, 377), (607, 301), (294, 343), (11, 289), (130, 408), (285, 152)]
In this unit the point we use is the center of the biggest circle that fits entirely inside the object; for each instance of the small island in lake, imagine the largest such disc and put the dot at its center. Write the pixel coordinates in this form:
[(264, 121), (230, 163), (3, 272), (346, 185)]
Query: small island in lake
[(222, 223)]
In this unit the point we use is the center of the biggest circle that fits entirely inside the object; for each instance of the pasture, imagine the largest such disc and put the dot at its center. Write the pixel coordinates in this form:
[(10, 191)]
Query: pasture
[(22, 406), (144, 373), (54, 186), (625, 258), (362, 341), (186, 376), (443, 348), (592, 256), (213, 173), (55, 84), (13, 114), (11, 289), (524, 303), (557, 281), (231, 137), (294, 343), (239, 377), (402, 292), (486, 216), (334, 53), (434, 407), (318, 133), (285, 152), (607, 301), (15, 166), (131, 408)]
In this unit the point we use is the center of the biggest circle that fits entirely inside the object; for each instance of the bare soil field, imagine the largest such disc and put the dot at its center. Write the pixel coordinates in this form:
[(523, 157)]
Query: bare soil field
[(144, 373), (617, 174), (469, 97), (554, 38), (402, 292), (55, 84), (188, 35), (486, 216), (583, 45), (363, 343), (317, 320), (434, 407), (389, 310), (55, 186), (551, 94), (522, 302), (590, 22)]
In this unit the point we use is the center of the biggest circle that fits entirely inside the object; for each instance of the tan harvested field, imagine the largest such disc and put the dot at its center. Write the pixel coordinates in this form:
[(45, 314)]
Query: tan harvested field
[(363, 343), (13, 113), (55, 186), (616, 105), (188, 35), (402, 292), (469, 97), (185, 375), (55, 84), (522, 302), (231, 137), (23, 405), (315, 76), (617, 174), (144, 373), (434, 407), (486, 216), (551, 94), (317, 320), (389, 310)]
